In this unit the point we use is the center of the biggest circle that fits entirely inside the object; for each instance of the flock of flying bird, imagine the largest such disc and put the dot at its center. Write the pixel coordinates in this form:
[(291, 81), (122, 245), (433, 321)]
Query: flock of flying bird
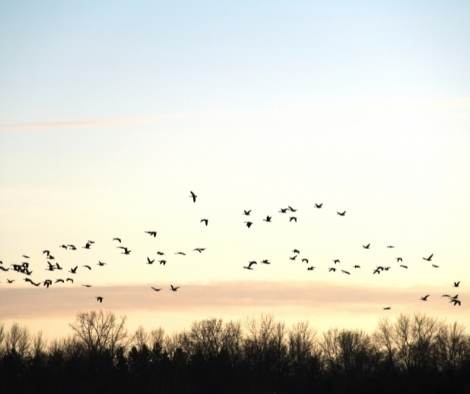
[(52, 265)]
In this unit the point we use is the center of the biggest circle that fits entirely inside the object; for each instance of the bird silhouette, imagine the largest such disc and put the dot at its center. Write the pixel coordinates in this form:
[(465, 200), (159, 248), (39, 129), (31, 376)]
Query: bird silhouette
[(399, 259), (174, 288), (101, 263), (205, 221), (332, 269), (160, 253), (304, 260), (250, 265), (387, 308), (455, 302), (434, 265), (4, 269), (162, 262), (73, 270), (293, 219), (265, 261), (403, 266), (99, 299), (46, 252), (345, 272), (425, 298), (155, 288), (357, 266), (390, 246), (25, 256), (297, 251), (200, 250), (246, 212), (336, 261), (10, 281), (283, 210), (267, 219), (293, 257), (87, 266), (248, 224), (125, 250), (63, 246), (150, 261), (33, 283), (291, 209), (87, 245), (117, 239), (69, 280), (428, 258), (311, 268), (86, 285), (59, 281), (181, 253), (457, 284), (151, 233), (318, 205), (341, 213), (193, 196), (366, 246)]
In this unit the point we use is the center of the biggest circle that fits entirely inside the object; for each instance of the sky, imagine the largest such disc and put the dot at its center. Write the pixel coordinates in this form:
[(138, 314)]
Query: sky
[(111, 112)]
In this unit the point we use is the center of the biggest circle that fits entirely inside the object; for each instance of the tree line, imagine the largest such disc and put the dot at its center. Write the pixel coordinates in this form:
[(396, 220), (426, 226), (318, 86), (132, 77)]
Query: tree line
[(412, 354)]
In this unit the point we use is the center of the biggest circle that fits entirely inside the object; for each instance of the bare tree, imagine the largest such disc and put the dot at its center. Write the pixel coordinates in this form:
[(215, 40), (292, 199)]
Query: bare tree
[(99, 331), (18, 340)]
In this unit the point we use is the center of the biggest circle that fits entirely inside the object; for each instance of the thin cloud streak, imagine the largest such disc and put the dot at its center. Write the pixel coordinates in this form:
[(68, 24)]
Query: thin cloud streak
[(321, 297)]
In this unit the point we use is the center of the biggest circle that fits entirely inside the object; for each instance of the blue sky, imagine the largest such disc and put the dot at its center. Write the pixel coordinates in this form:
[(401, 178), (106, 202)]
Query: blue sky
[(68, 60)]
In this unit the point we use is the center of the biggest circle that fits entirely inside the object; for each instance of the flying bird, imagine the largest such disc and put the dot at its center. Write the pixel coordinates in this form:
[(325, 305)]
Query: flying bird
[(399, 259), (311, 268), (87, 266), (291, 209), (117, 239), (193, 196), (200, 250), (155, 288), (125, 250), (293, 219), (403, 266), (297, 251), (332, 269), (293, 257), (162, 262), (425, 298), (10, 280), (387, 308), (267, 219), (250, 265), (46, 252), (174, 288), (246, 212), (428, 258), (73, 270), (456, 302), (366, 246), (150, 261), (336, 261), (101, 263), (283, 210), (265, 261), (456, 284), (318, 205), (205, 221), (345, 272), (248, 224), (86, 285), (151, 233), (304, 260), (341, 213), (160, 253), (99, 299), (181, 253)]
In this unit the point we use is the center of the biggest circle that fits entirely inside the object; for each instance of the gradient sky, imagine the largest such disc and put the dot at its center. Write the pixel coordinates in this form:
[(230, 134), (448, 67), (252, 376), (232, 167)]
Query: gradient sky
[(111, 112)]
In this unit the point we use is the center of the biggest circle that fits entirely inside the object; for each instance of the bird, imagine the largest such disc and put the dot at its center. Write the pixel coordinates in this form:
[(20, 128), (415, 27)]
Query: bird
[(265, 261), (151, 233), (117, 239), (387, 308), (250, 265), (318, 205), (200, 250), (181, 253), (283, 210), (399, 259), (336, 261), (456, 302), (87, 245), (205, 221), (150, 261), (403, 266), (304, 260), (293, 219), (87, 266), (63, 246), (4, 269), (155, 288), (332, 269), (86, 285), (174, 288), (297, 251), (160, 253), (59, 281), (46, 252), (428, 258), (390, 246), (10, 280), (246, 212), (293, 257), (357, 266), (101, 263), (193, 196), (378, 269), (162, 262), (25, 256), (341, 213), (248, 224), (366, 246), (99, 299), (456, 284), (291, 209), (124, 250), (311, 268), (69, 280), (345, 272), (73, 270), (425, 298), (267, 219), (435, 266), (57, 266), (33, 283)]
